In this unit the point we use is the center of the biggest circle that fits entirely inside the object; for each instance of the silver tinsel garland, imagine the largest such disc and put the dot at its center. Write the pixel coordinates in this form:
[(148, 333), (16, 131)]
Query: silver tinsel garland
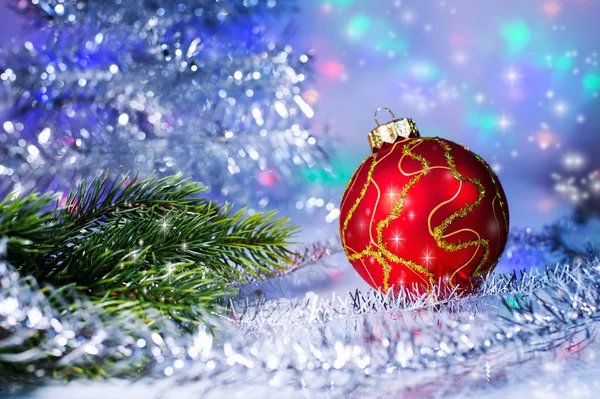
[(199, 87), (387, 344)]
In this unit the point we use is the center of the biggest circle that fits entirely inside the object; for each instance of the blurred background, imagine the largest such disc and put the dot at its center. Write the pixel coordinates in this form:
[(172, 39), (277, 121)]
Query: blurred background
[(516, 81)]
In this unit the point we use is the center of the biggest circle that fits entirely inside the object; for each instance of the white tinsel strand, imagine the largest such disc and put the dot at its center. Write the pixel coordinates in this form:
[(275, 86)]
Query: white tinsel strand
[(315, 265), (256, 313), (391, 351)]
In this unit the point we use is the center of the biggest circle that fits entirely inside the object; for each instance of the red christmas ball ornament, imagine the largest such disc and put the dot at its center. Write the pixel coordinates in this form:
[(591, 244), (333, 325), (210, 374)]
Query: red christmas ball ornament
[(422, 211)]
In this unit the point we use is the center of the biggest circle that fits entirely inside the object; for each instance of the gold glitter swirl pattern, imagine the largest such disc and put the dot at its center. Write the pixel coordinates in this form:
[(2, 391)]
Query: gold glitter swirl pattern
[(497, 187), (395, 214), (352, 182), (498, 197), (357, 202), (438, 232)]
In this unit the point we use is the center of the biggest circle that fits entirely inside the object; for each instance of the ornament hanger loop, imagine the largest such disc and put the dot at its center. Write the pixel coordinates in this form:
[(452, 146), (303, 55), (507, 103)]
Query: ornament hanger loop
[(391, 131), (379, 109)]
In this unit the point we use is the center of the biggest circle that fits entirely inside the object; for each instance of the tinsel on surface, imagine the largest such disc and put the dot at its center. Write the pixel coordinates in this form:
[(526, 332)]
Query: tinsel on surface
[(210, 89), (365, 344), (199, 87)]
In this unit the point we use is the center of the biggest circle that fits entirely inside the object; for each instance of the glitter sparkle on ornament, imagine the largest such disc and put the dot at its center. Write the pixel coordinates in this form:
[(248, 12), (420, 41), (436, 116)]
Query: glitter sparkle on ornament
[(397, 239), (392, 194), (428, 257)]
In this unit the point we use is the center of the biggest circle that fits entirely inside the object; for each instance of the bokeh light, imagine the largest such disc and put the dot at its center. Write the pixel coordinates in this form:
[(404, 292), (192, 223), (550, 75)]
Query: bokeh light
[(517, 82)]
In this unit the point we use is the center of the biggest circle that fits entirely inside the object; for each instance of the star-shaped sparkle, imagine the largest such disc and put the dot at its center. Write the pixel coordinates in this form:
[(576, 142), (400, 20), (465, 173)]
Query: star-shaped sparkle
[(397, 239), (428, 257), (411, 215), (392, 194)]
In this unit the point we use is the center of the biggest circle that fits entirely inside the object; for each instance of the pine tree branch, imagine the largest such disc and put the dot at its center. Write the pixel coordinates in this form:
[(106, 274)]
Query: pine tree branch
[(141, 245), (26, 222)]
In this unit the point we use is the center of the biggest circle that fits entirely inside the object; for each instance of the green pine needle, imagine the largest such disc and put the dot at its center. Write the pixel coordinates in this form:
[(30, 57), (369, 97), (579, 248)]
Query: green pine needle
[(144, 245)]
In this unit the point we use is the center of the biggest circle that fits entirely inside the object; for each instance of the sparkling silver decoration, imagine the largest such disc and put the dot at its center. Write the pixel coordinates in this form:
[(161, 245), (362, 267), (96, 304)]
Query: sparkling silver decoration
[(193, 86), (364, 344)]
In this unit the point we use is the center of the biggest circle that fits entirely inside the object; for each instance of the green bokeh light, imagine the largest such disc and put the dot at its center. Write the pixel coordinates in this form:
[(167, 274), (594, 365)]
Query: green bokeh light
[(563, 62), (481, 121), (343, 164), (591, 82), (392, 45), (425, 71), (339, 3), (376, 33), (358, 25), (517, 35)]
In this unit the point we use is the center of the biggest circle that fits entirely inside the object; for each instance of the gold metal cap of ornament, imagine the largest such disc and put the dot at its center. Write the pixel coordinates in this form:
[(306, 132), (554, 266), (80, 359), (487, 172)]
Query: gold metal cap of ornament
[(389, 132)]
